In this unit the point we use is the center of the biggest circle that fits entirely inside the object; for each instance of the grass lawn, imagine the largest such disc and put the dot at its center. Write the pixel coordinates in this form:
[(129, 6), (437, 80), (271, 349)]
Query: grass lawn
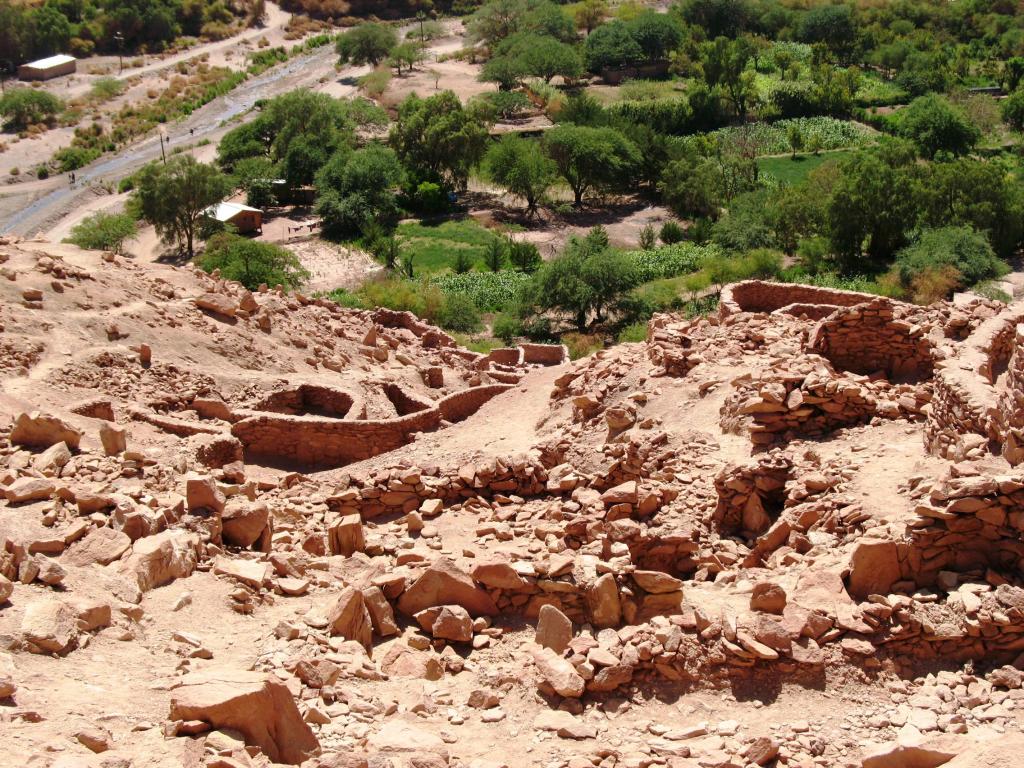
[(434, 246), (790, 171)]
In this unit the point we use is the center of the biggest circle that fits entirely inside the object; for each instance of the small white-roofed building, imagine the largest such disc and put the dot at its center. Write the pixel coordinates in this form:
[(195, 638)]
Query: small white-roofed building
[(243, 218), (48, 68)]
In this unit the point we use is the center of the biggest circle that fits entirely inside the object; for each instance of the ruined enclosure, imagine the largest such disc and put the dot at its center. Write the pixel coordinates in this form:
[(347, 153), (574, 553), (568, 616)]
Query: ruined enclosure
[(309, 400), (867, 339)]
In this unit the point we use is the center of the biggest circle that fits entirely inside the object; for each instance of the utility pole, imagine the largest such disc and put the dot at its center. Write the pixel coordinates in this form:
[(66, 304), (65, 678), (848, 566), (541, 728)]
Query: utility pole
[(120, 52)]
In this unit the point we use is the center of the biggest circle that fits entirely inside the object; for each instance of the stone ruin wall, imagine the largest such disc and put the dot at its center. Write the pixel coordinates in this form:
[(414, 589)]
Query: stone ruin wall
[(323, 442), (866, 338), (545, 354), (1011, 403), (977, 401), (764, 296)]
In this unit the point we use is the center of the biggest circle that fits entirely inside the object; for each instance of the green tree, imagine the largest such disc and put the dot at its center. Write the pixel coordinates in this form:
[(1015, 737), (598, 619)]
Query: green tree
[(545, 57), (27, 106), (173, 197), (368, 43), (657, 34), (103, 231), (935, 125), (521, 166), (611, 46), (494, 254), (717, 17), (251, 262), (524, 255), (725, 64), (648, 237), (495, 20), (591, 158), (833, 25), (962, 248), (459, 314), (873, 206), (406, 55), (438, 139), (585, 282), (1012, 110), (51, 30), (795, 138), (590, 14), (974, 193), (358, 187)]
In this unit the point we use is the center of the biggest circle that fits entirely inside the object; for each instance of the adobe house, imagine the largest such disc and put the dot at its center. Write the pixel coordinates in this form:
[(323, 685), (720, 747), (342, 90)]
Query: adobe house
[(243, 218), (49, 68)]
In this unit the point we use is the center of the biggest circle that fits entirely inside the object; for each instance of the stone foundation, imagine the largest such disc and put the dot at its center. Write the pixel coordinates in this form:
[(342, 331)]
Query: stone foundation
[(867, 339), (763, 296), (326, 442)]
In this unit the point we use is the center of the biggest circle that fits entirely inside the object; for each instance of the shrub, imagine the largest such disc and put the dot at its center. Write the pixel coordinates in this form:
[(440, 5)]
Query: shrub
[(962, 248), (72, 158), (935, 125), (648, 237), (102, 231), (430, 198), (633, 333), (506, 327), (671, 233), (251, 262), (27, 106), (458, 313)]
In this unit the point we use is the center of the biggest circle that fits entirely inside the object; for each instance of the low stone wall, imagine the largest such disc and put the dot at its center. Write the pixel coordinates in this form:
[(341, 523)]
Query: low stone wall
[(430, 335), (751, 496), (405, 402), (310, 399), (510, 356), (1011, 404), (319, 442), (971, 521), (970, 417), (545, 354), (325, 442), (763, 296), (865, 339), (460, 405)]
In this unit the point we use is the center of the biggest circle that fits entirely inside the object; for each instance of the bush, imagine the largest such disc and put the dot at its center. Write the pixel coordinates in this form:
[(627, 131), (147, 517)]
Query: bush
[(967, 251), (935, 125), (430, 198), (459, 313), (506, 328), (102, 231), (633, 333), (251, 262), (27, 106), (72, 158), (671, 233)]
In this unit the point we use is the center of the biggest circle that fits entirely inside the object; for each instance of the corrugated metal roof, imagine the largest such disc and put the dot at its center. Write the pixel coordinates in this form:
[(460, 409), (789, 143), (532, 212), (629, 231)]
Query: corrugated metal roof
[(228, 211), (50, 62)]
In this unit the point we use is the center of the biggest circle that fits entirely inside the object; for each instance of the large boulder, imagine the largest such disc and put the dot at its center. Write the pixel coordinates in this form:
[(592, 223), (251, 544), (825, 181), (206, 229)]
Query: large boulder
[(50, 626), (874, 568), (443, 583), (100, 545), (39, 430), (259, 707), (559, 673), (554, 629), (26, 489), (160, 559), (201, 492), (243, 523), (217, 303), (350, 618), (603, 602)]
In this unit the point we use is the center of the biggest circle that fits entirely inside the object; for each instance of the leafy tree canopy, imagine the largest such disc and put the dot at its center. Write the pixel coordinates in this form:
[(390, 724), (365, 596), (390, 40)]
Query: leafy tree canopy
[(251, 262)]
